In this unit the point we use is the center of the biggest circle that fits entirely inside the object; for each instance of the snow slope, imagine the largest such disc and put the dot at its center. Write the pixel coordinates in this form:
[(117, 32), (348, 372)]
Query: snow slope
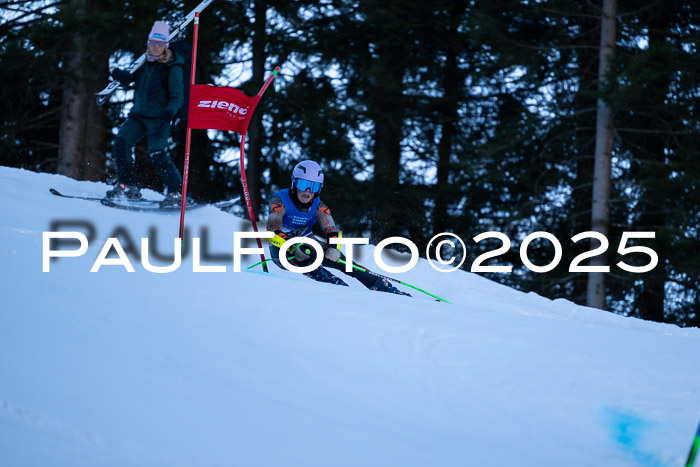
[(250, 369)]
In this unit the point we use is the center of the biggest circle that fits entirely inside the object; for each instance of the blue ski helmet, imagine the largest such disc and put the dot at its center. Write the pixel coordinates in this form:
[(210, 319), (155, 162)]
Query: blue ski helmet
[(307, 175)]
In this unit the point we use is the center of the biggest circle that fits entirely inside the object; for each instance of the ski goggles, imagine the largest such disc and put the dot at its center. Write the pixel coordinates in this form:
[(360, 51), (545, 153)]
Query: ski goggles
[(303, 185)]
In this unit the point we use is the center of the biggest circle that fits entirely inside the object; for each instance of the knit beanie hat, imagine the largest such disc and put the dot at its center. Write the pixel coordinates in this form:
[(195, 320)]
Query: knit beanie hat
[(159, 32)]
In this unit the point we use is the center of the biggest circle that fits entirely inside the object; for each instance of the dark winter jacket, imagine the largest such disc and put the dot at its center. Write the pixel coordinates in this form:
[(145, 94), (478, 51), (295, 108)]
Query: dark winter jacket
[(158, 87)]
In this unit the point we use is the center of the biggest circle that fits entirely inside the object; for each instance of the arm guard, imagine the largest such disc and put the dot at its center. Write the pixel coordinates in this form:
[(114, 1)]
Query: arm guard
[(326, 222), (275, 219)]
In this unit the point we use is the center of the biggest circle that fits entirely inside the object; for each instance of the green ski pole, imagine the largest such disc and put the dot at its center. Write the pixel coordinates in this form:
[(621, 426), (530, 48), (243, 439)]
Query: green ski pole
[(396, 280), (694, 449), (278, 241), (265, 261)]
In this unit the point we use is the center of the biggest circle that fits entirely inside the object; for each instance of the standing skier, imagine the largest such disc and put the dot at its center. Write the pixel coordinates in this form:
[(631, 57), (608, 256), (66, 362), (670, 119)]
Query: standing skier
[(293, 213), (159, 94)]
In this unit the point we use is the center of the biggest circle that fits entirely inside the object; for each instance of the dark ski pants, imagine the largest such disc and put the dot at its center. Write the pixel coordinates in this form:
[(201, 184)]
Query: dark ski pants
[(367, 279), (134, 130)]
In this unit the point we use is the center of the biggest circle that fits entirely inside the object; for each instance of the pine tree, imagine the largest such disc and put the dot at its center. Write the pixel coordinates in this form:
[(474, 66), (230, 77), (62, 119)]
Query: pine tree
[(600, 211)]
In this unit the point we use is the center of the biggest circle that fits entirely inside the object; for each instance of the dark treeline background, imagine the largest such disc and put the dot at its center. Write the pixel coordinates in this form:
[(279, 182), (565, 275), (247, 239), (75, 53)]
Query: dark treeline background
[(429, 116)]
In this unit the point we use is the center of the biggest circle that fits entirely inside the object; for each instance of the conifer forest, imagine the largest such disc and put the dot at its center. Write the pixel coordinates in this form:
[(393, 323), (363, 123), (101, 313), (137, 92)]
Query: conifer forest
[(459, 116)]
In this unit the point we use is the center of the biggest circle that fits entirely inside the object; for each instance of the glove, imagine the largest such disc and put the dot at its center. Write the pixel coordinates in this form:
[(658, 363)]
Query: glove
[(300, 253), (333, 255), (124, 77)]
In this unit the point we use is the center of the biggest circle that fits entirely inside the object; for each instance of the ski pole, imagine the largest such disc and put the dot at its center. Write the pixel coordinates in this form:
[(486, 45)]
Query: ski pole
[(359, 268), (694, 449), (278, 241), (265, 261)]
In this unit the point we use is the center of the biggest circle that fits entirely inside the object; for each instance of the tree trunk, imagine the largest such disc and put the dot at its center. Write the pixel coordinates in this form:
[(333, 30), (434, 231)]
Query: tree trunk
[(386, 104), (584, 127), (98, 136), (82, 132), (71, 148), (600, 215), (82, 137), (654, 199), (449, 107)]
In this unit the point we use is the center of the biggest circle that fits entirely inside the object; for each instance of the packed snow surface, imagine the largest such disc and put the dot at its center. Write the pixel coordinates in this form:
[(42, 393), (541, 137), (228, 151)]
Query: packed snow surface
[(118, 368)]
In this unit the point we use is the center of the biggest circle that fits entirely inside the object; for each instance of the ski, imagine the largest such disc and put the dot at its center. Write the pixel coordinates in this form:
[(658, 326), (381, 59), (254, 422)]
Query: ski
[(176, 30), (142, 204), (99, 199), (223, 206), (150, 208)]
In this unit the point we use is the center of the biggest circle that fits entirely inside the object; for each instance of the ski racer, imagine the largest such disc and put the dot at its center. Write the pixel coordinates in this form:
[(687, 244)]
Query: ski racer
[(294, 211), (159, 94)]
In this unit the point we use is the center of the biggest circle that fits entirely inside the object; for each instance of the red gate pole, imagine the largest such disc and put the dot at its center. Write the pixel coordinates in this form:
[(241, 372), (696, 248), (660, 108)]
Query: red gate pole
[(186, 170), (251, 214)]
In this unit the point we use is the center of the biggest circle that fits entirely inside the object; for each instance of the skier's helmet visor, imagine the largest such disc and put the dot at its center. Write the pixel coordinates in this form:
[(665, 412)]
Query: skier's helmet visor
[(303, 185)]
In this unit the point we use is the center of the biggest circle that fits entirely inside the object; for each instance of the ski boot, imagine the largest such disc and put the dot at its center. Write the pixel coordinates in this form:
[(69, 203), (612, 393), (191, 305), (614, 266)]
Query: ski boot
[(383, 285), (172, 199), (124, 191), (322, 275)]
